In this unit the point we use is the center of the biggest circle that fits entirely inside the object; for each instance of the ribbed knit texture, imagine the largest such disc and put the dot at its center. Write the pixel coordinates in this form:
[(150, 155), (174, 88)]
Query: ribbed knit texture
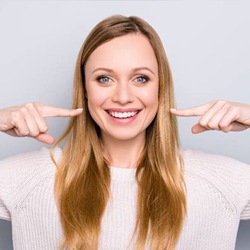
[(218, 196)]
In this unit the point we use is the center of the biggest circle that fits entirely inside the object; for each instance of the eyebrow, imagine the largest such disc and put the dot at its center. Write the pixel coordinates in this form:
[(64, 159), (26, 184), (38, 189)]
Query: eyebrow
[(134, 70)]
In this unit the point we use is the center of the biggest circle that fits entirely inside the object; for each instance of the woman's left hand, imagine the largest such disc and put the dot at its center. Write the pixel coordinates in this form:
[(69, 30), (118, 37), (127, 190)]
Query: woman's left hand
[(218, 115)]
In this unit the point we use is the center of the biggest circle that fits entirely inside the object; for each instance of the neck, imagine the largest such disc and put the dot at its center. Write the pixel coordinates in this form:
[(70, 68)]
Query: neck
[(122, 153)]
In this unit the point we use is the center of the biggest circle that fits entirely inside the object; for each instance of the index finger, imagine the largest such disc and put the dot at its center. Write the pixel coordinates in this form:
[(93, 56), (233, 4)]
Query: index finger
[(48, 111), (194, 111)]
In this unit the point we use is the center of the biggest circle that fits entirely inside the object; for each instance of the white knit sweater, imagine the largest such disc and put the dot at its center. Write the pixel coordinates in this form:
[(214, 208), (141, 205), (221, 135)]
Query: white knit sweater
[(218, 196)]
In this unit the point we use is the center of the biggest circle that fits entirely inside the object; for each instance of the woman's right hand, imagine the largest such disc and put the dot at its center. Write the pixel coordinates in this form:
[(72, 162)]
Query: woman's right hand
[(29, 120)]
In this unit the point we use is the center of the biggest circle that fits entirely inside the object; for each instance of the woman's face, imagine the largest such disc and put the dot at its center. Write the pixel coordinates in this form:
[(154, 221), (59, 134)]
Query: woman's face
[(122, 86)]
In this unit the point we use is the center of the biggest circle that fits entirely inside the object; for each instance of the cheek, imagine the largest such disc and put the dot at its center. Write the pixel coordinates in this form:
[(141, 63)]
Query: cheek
[(150, 97), (93, 104), (93, 107), (94, 95)]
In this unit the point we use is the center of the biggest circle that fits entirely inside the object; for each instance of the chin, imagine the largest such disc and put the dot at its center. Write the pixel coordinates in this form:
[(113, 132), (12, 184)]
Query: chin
[(126, 135)]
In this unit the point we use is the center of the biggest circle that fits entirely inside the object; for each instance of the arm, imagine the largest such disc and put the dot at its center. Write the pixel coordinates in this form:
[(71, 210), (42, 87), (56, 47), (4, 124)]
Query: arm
[(24, 120), (226, 116), (29, 120), (218, 115)]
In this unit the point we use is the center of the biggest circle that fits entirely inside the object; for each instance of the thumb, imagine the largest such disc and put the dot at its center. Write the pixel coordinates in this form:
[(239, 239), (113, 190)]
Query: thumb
[(45, 138), (197, 128)]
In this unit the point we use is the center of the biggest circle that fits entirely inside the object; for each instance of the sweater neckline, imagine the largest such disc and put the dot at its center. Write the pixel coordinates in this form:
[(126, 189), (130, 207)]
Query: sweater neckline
[(122, 174), (117, 173)]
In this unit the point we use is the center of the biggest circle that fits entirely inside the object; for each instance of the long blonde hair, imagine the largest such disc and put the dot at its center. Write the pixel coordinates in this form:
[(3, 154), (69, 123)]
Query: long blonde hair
[(82, 185)]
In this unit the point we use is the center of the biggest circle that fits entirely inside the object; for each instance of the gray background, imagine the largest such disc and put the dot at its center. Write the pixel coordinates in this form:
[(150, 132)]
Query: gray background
[(207, 42)]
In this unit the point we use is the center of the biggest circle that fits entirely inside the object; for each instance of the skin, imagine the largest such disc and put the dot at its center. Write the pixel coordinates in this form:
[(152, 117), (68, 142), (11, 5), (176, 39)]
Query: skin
[(122, 88), (129, 82), (29, 120), (218, 115)]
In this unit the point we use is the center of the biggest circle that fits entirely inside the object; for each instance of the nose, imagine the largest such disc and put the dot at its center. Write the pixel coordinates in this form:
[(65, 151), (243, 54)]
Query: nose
[(123, 93)]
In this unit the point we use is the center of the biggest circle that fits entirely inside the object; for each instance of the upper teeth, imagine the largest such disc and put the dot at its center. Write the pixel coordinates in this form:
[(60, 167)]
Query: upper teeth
[(123, 114)]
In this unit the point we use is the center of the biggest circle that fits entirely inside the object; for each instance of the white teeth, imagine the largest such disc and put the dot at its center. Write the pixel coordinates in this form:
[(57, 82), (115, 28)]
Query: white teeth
[(123, 114)]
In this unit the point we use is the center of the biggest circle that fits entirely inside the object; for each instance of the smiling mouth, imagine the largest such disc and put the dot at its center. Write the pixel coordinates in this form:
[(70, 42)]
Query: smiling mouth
[(123, 115)]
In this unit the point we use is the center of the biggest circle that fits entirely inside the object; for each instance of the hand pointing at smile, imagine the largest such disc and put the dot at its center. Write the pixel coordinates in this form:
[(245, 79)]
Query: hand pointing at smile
[(218, 115), (29, 120)]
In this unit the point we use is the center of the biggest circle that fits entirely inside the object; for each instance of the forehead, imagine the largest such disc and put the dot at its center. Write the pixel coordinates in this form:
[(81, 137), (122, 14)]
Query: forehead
[(124, 52)]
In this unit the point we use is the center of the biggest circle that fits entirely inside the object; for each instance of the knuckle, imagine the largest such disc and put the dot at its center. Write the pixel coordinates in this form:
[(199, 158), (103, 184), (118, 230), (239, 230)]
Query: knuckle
[(223, 126), (44, 128), (234, 110), (227, 106), (203, 123), (28, 105), (24, 132), (34, 133), (211, 125), (222, 102), (23, 109), (215, 101), (37, 105)]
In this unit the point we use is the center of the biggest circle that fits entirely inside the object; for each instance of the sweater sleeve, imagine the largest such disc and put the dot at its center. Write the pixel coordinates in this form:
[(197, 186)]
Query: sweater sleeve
[(237, 176), (230, 176)]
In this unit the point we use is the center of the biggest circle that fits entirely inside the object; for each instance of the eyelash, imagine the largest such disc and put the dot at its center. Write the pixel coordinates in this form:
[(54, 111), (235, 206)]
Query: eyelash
[(145, 79)]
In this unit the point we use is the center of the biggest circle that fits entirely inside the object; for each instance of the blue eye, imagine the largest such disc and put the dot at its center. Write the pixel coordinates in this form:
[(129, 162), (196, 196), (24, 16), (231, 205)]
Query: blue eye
[(103, 79), (142, 79)]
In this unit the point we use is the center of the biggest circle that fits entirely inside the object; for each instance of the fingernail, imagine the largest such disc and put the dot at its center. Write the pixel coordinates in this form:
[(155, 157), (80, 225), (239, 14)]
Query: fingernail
[(172, 109), (80, 109)]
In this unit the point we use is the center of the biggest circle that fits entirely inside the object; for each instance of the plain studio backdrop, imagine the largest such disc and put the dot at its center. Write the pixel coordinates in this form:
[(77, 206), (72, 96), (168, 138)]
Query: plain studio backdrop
[(207, 43)]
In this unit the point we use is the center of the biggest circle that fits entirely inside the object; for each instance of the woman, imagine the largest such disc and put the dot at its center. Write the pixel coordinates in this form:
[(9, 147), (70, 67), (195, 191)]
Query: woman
[(121, 181)]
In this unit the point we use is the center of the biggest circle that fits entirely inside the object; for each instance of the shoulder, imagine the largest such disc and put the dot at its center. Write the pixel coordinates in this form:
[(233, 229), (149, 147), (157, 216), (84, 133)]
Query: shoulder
[(199, 162), (22, 174), (230, 178), (26, 168), (28, 162)]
